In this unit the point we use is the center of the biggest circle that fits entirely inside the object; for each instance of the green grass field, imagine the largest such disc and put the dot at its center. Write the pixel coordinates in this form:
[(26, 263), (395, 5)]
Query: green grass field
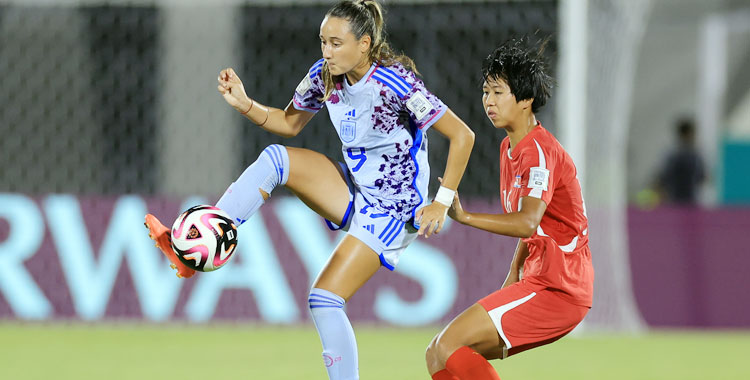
[(56, 351)]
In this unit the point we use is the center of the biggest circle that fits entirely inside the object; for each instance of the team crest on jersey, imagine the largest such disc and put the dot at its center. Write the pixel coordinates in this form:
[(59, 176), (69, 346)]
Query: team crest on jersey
[(348, 131), (517, 182)]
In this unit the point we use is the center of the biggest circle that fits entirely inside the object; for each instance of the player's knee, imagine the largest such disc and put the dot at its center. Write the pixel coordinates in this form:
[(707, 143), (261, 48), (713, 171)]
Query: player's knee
[(274, 149), (440, 349), (277, 153), (323, 299), (430, 351), (276, 159), (432, 360), (311, 299)]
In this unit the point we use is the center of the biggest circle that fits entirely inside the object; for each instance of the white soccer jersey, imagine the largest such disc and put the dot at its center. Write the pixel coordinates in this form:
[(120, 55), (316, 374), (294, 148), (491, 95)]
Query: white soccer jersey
[(381, 121)]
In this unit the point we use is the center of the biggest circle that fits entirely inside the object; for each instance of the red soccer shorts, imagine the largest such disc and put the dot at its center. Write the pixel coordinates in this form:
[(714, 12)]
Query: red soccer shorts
[(526, 318)]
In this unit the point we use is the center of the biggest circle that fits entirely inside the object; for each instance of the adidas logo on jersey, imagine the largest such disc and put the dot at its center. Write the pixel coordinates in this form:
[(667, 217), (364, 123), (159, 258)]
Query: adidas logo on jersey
[(352, 113)]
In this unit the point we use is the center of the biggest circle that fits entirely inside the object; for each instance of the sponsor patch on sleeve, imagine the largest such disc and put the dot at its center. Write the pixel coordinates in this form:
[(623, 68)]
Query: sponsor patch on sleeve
[(419, 105), (538, 178), (304, 85)]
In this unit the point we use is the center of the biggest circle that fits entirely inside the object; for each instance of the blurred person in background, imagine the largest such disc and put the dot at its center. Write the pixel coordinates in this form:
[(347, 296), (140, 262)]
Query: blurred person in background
[(679, 180), (549, 287), (381, 111)]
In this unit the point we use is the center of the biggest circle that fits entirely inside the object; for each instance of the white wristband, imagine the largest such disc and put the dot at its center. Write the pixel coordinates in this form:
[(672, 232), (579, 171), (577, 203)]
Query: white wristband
[(445, 196)]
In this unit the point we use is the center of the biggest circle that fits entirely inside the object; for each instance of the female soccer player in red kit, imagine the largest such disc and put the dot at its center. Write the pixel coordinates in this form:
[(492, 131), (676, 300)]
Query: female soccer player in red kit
[(549, 287)]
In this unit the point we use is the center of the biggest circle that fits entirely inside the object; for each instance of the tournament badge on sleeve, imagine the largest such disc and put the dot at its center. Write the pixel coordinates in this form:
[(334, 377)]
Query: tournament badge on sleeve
[(304, 85), (538, 178), (419, 105)]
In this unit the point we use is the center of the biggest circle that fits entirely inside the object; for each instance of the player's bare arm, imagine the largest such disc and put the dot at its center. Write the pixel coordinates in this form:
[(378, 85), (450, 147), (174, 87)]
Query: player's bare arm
[(520, 224), (461, 142), (286, 123)]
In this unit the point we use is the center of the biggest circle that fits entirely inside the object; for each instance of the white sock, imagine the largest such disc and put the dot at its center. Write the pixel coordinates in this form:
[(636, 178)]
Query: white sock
[(336, 335), (242, 199)]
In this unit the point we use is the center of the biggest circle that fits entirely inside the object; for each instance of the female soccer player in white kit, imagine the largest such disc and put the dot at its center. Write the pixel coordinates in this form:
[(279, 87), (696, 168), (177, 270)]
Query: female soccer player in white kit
[(381, 112)]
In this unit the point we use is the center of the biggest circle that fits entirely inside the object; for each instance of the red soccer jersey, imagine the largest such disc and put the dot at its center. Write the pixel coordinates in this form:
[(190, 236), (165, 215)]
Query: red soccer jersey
[(559, 257)]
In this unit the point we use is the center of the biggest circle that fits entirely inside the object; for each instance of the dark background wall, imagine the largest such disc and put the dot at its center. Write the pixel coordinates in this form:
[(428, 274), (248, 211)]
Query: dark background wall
[(83, 85)]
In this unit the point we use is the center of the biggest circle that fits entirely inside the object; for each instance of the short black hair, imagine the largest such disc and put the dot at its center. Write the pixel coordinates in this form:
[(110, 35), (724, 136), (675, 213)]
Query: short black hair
[(521, 64), (685, 126)]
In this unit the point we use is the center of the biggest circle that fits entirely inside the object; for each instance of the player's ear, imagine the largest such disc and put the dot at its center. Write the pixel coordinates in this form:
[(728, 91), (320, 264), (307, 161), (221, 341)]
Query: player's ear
[(526, 103), (364, 43)]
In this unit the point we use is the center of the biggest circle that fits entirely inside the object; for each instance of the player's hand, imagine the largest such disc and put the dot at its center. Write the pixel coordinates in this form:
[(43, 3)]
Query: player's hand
[(456, 211), (431, 218), (231, 88)]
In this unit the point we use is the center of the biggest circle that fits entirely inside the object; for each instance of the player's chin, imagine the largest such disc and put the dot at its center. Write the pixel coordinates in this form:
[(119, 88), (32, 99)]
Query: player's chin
[(335, 69), (337, 72), (499, 124)]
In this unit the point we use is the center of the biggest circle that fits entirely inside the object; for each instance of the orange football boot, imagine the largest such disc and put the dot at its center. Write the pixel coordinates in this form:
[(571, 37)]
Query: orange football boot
[(160, 234)]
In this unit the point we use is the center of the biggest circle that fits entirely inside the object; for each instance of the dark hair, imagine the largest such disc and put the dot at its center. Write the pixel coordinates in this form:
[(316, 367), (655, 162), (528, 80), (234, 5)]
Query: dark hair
[(685, 126), (365, 18), (685, 129), (523, 67)]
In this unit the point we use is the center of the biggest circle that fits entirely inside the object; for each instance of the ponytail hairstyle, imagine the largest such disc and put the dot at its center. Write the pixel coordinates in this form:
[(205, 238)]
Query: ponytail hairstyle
[(365, 18)]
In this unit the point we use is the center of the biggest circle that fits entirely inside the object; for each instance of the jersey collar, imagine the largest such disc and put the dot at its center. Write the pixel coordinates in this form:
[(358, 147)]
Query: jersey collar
[(357, 86), (513, 154)]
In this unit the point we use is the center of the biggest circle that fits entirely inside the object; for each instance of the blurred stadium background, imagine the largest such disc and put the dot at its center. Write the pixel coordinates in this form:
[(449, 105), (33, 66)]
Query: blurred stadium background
[(109, 110)]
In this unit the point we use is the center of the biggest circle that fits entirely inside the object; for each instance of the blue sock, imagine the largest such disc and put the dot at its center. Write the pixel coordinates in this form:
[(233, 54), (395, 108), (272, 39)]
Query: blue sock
[(242, 199), (336, 335)]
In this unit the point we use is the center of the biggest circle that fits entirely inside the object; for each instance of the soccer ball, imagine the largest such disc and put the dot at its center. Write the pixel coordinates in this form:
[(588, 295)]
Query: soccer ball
[(204, 238)]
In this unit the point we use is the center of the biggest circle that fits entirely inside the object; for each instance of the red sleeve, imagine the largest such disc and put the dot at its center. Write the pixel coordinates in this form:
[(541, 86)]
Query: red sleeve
[(538, 172)]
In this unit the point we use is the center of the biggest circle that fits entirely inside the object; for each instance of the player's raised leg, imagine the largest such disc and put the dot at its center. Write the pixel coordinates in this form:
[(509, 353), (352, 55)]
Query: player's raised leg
[(462, 349), (240, 201), (313, 176), (319, 183)]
